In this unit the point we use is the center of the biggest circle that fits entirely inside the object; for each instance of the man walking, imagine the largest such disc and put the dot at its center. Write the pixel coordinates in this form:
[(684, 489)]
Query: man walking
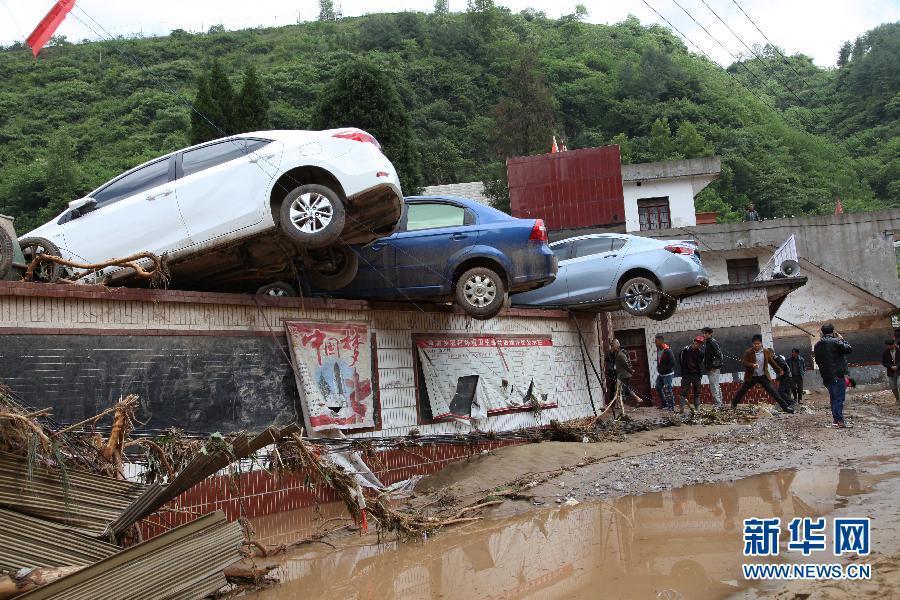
[(797, 367), (665, 373), (755, 373), (624, 371), (890, 361), (830, 352), (690, 360), (785, 380), (712, 362)]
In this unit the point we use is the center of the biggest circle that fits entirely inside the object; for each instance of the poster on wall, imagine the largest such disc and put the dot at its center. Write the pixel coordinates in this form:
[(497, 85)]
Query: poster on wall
[(470, 377), (334, 369)]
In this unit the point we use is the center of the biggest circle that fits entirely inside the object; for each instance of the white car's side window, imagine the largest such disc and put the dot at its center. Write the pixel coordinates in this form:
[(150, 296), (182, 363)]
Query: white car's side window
[(148, 177), (211, 155)]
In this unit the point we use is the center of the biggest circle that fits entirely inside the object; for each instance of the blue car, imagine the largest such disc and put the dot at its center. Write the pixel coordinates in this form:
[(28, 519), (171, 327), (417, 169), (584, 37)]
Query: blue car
[(454, 248)]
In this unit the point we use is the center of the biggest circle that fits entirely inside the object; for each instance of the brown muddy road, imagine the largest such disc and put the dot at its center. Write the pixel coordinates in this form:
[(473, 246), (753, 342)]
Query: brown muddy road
[(658, 516)]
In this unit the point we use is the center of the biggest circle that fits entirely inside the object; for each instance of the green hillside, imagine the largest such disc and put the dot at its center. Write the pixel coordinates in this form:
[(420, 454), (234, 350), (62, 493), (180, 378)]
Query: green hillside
[(478, 86)]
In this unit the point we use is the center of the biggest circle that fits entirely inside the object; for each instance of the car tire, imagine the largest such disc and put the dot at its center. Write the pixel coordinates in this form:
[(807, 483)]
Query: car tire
[(279, 289), (47, 272), (640, 297), (332, 268), (480, 292), (313, 216), (667, 308), (6, 253)]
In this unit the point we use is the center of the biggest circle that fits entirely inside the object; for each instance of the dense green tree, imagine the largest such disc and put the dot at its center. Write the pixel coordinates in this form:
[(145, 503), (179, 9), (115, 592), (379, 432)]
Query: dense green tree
[(689, 143), (213, 114), (327, 11), (441, 7), (362, 95), (662, 146), (251, 111), (524, 119)]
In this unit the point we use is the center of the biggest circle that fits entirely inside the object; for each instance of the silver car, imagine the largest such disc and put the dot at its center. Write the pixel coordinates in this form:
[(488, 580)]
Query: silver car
[(617, 270)]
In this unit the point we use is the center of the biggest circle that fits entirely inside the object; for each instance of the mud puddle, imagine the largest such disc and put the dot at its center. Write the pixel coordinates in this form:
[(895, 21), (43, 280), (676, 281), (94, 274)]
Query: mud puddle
[(680, 543)]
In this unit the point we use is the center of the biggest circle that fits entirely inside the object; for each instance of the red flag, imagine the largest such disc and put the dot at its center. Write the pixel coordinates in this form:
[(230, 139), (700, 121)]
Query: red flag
[(838, 206), (47, 27), (554, 148)]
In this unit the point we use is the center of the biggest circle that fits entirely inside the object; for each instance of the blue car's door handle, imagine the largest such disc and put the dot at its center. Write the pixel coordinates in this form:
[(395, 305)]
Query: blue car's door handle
[(458, 236)]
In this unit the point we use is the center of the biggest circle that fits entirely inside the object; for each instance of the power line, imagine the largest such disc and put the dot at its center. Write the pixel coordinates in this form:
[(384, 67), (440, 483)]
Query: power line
[(708, 57), (15, 22), (823, 99)]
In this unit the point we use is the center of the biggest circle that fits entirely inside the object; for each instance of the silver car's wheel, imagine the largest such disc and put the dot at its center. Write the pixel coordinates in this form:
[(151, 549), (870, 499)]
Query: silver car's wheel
[(480, 292), (313, 215), (639, 296)]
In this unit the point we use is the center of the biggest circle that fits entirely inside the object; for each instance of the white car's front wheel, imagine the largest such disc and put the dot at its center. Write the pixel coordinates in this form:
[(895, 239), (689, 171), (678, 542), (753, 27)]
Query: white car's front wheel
[(313, 216)]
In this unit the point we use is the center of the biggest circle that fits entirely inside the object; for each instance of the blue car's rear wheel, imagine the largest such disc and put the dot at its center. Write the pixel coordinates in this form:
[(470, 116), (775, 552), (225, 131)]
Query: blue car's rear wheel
[(332, 268), (480, 292), (640, 296)]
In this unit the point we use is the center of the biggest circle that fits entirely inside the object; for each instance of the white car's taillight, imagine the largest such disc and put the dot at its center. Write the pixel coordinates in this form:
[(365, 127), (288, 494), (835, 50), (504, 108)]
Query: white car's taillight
[(358, 135)]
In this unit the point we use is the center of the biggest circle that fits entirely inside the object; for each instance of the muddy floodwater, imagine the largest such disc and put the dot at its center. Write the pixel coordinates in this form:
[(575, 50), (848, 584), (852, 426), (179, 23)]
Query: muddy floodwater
[(681, 543)]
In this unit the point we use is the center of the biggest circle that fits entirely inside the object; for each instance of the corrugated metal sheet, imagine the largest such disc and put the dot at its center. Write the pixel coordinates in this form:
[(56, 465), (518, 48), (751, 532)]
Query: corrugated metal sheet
[(186, 563), (578, 188), (80, 500), (30, 542), (201, 467)]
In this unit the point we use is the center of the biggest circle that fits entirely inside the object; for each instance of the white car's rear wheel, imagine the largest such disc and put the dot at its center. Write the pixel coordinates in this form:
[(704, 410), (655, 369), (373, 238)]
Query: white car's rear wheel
[(313, 216), (640, 297)]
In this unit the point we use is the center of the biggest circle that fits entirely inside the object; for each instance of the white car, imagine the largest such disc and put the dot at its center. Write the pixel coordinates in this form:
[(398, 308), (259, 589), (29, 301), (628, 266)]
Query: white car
[(212, 210)]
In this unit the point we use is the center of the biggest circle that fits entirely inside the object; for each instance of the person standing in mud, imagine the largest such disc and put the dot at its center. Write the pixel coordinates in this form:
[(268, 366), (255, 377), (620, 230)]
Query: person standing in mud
[(797, 367), (891, 362), (831, 356), (712, 362), (624, 371), (755, 373), (785, 380), (665, 373), (690, 359)]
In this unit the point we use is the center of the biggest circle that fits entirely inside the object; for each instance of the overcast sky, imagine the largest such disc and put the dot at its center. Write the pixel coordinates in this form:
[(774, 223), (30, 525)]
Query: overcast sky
[(814, 27)]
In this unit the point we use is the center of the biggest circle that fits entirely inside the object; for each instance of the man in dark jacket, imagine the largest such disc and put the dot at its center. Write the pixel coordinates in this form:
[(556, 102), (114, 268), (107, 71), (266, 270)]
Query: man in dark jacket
[(785, 380), (624, 371), (712, 362), (830, 352), (755, 360), (690, 359), (891, 362), (797, 367), (665, 373)]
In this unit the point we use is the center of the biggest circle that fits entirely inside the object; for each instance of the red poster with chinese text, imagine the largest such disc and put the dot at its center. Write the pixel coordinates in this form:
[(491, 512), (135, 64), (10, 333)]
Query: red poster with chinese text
[(334, 369)]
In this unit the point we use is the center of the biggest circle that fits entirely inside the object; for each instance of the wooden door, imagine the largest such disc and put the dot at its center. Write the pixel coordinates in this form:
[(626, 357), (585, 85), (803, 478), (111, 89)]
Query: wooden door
[(633, 342)]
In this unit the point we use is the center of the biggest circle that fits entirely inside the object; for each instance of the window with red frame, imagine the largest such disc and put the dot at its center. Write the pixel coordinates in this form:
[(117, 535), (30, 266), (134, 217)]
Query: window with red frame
[(654, 213)]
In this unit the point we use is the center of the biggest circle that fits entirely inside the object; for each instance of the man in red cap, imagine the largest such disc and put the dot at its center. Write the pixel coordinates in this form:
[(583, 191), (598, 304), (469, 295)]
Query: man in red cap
[(691, 362)]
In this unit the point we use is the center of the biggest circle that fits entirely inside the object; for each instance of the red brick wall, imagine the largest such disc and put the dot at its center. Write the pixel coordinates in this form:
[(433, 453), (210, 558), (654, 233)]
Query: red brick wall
[(257, 493)]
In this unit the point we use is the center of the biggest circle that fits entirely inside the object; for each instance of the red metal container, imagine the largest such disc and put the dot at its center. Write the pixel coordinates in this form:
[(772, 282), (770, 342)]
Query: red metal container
[(577, 188)]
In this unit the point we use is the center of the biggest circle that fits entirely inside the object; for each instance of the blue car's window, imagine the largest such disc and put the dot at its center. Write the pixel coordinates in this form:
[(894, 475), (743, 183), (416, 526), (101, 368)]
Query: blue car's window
[(589, 246), (431, 216)]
